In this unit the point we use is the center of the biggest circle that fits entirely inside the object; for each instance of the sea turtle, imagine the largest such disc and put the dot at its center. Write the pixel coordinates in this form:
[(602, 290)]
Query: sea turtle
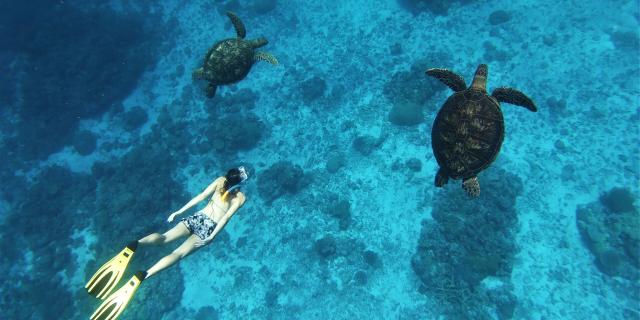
[(230, 60), (468, 131)]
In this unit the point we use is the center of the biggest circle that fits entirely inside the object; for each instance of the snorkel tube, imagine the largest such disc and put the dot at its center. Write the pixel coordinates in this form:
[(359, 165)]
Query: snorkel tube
[(243, 177)]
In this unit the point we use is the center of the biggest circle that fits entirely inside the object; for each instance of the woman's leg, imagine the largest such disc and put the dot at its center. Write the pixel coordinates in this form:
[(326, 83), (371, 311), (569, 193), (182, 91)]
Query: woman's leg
[(186, 248), (179, 231)]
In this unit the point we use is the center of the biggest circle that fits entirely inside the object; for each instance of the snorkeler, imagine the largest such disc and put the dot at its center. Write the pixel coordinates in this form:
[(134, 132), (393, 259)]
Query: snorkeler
[(201, 228)]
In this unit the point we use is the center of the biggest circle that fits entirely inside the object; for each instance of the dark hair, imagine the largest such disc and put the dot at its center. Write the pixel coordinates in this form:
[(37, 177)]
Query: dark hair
[(232, 178)]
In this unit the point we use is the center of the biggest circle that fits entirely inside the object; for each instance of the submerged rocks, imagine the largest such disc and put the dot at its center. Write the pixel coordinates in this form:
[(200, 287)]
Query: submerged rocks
[(371, 258), (626, 40), (207, 313), (366, 144), (409, 92), (342, 212), (63, 84), (312, 89), (499, 17), (281, 178), (438, 7), (263, 6), (335, 162), (610, 229), (468, 242), (85, 142), (236, 132), (326, 247), (134, 118), (406, 113), (618, 200)]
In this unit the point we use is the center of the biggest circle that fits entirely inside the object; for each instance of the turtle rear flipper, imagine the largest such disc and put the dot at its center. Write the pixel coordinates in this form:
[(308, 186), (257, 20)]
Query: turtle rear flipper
[(237, 24), (471, 186), (211, 90), (441, 178), (449, 78), (513, 96), (264, 56)]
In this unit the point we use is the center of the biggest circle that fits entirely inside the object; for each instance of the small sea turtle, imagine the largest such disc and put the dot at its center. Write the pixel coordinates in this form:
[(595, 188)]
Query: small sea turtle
[(230, 60), (469, 128)]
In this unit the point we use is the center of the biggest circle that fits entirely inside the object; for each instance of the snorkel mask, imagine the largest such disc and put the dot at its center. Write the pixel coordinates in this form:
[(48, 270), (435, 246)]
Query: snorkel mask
[(244, 175)]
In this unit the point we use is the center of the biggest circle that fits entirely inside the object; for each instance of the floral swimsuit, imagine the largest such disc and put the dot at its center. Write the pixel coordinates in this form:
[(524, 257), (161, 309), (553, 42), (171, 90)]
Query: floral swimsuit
[(200, 224)]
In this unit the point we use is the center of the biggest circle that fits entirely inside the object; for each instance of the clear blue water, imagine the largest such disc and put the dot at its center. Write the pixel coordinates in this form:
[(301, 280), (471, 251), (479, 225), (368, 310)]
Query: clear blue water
[(104, 133)]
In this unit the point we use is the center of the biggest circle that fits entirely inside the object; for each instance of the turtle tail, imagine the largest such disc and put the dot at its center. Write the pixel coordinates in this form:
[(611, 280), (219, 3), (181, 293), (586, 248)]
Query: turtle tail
[(480, 78)]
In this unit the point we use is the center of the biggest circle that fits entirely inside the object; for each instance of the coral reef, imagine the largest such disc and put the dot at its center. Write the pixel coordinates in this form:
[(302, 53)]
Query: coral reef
[(326, 247), (437, 7), (499, 17), (134, 118), (468, 241), (132, 198), (103, 42), (494, 53), (337, 208), (366, 144), (85, 142), (406, 113), (557, 108), (281, 178), (260, 7), (409, 92), (610, 229), (371, 258), (626, 40), (207, 313), (43, 219), (140, 185), (618, 200), (235, 132), (237, 101), (312, 89), (335, 162), (414, 164)]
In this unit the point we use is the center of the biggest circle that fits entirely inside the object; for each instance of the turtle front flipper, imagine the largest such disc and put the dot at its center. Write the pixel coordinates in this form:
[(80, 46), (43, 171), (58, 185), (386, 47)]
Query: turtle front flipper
[(211, 90), (265, 56), (198, 74), (450, 79), (513, 96), (441, 178), (237, 24), (471, 186)]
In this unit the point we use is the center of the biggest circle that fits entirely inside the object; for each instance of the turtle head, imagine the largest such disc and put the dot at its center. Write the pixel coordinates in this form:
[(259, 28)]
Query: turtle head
[(198, 74), (480, 78), (260, 42)]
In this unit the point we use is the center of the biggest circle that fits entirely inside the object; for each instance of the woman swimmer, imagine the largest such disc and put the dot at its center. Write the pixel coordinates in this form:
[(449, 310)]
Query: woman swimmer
[(225, 199)]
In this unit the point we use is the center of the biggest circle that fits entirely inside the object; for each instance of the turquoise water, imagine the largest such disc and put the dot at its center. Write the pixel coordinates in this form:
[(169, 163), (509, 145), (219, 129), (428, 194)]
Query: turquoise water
[(104, 134)]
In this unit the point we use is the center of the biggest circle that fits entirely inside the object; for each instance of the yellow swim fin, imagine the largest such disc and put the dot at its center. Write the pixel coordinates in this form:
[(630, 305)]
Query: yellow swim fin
[(107, 277), (114, 305)]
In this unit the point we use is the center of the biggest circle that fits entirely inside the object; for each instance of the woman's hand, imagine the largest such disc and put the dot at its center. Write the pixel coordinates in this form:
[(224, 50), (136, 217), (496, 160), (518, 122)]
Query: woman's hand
[(202, 243), (173, 216)]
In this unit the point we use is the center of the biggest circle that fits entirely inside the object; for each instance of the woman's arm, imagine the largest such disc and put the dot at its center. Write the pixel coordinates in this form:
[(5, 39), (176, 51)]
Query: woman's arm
[(203, 195), (236, 203)]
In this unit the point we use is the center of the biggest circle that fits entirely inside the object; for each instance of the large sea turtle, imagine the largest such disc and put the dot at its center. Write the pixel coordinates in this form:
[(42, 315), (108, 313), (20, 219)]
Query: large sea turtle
[(230, 60), (468, 131)]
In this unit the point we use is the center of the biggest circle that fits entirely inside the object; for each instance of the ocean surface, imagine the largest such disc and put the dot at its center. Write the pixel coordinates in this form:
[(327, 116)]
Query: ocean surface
[(104, 133)]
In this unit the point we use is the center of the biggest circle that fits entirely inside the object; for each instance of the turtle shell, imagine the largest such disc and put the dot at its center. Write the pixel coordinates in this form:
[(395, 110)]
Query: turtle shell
[(228, 61), (467, 133)]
